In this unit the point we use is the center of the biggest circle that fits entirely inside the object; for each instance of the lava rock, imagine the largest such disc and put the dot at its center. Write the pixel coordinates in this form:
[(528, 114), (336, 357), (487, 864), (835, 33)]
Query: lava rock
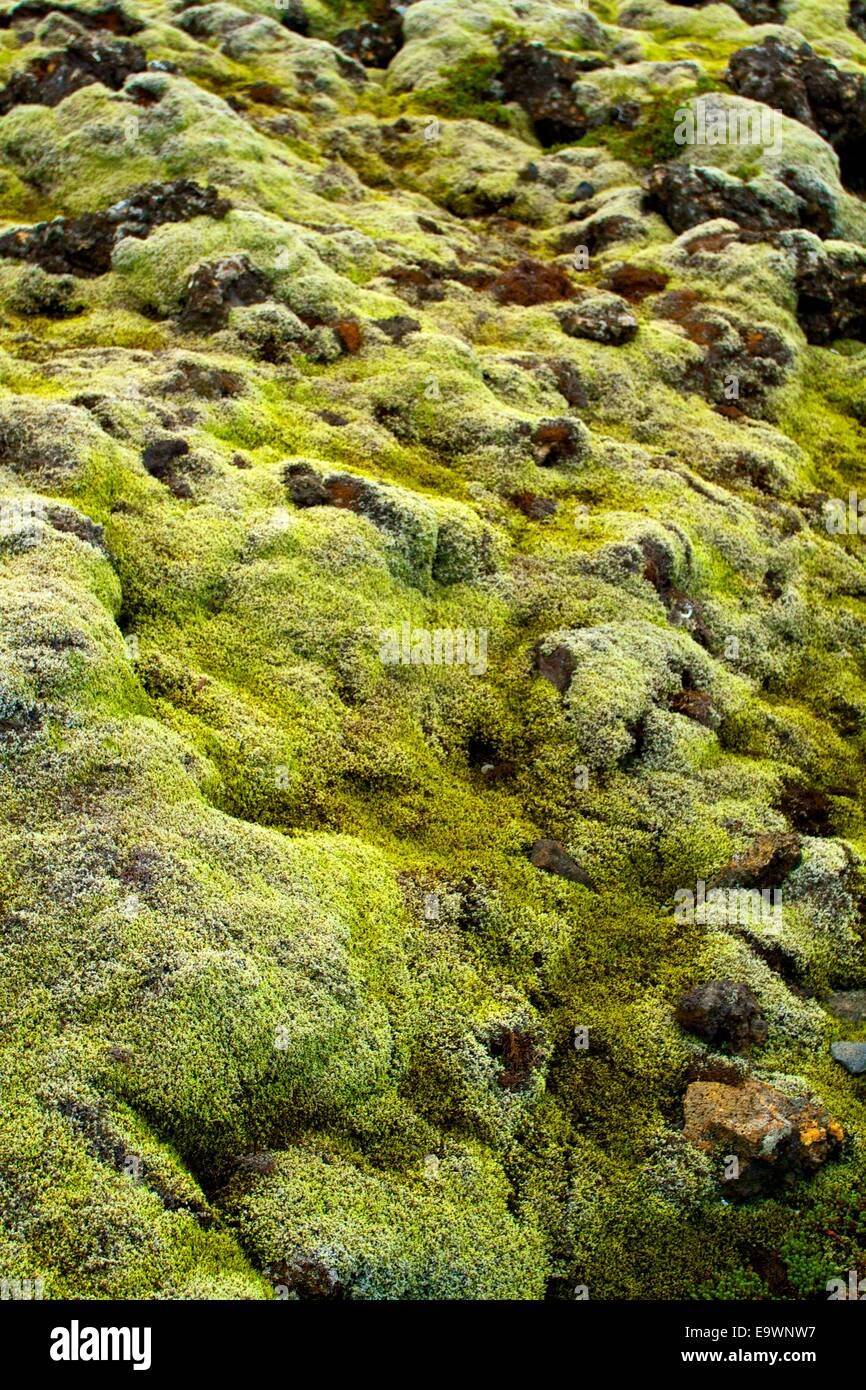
[(604, 318), (778, 1139), (216, 287), (534, 507), (306, 487), (752, 11), (634, 282), (831, 291), (50, 78), (542, 82), (308, 1277), (83, 245), (765, 864), (851, 1055), (519, 1050), (107, 15), (569, 382), (553, 858), (696, 705), (559, 441), (556, 666), (757, 356), (293, 16), (160, 455), (724, 1013), (795, 80), (201, 380), (531, 282), (373, 45), (376, 41), (545, 84), (71, 522), (687, 195), (849, 1004), (398, 327)]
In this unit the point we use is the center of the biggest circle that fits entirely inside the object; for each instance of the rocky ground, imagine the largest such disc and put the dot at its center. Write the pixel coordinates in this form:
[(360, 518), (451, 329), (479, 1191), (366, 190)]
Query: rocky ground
[(332, 969)]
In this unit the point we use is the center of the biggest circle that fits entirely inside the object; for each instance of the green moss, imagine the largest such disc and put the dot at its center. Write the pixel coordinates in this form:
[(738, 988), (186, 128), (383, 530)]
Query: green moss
[(288, 1009)]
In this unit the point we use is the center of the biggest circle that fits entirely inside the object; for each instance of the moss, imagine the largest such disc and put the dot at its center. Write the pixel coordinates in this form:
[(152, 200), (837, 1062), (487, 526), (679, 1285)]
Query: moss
[(652, 140), (465, 92), (323, 1225), (290, 1010)]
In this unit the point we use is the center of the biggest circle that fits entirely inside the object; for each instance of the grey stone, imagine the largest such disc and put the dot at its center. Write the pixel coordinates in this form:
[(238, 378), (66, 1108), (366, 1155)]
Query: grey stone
[(851, 1055)]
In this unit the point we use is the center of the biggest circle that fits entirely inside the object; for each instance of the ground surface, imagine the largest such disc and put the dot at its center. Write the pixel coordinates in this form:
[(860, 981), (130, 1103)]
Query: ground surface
[(363, 977)]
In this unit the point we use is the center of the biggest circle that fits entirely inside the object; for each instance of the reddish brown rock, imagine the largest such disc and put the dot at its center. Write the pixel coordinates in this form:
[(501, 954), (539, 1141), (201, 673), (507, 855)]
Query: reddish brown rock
[(765, 864), (634, 282), (532, 282), (553, 858), (776, 1138)]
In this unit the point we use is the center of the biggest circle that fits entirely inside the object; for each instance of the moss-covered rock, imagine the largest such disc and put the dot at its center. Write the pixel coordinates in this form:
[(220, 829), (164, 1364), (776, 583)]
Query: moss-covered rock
[(430, 554)]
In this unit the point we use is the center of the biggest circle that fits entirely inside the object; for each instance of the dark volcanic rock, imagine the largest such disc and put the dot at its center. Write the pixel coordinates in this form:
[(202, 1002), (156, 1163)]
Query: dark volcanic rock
[(377, 40), (559, 441), (634, 282), (533, 506), (160, 456), (557, 666), (293, 16), (603, 318), (686, 195), (398, 326), (696, 705), (831, 293), (569, 382), (306, 486), (753, 357), (544, 83), (849, 1004), (218, 286), (724, 1013), (83, 245), (752, 11), (519, 1050), (553, 858), (308, 1277), (48, 79), (373, 45), (831, 284), (73, 523), (857, 18), (108, 16), (795, 80)]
